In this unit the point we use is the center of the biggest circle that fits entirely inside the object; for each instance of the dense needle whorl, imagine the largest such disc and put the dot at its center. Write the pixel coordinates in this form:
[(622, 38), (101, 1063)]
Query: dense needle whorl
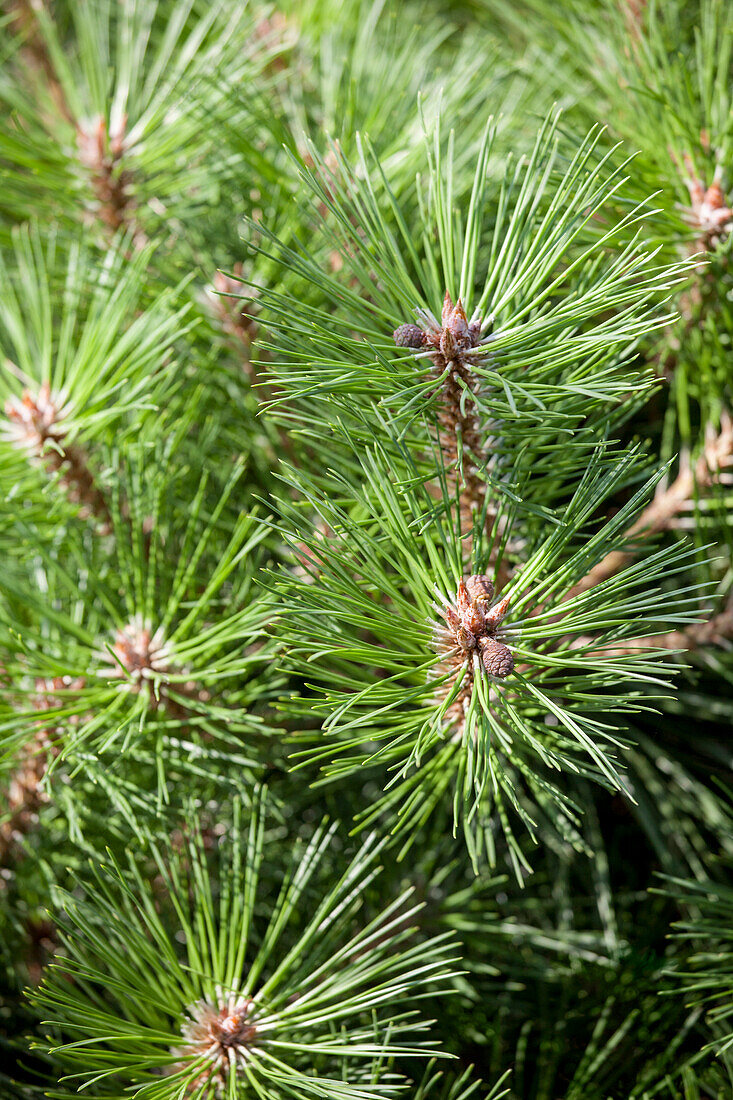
[(468, 643), (471, 625)]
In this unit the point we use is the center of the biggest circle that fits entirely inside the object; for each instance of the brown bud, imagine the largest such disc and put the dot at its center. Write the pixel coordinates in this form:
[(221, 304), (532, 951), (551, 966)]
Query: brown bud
[(458, 322), (714, 196), (474, 620), (408, 336), (463, 599), (447, 309), (480, 588), (465, 638), (448, 345), (498, 613), (497, 658)]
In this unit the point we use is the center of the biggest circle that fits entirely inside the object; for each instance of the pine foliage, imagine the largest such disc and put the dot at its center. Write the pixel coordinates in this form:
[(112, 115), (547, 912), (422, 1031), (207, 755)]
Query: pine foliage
[(365, 593)]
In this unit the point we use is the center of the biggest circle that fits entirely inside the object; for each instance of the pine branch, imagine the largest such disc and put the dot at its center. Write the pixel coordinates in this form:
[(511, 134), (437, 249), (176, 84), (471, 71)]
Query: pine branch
[(462, 578), (444, 711), (416, 507), (152, 666), (37, 427), (255, 996), (80, 358), (112, 125)]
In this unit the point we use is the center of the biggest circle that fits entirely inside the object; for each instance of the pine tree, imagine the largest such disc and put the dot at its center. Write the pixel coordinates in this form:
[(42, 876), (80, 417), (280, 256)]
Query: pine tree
[(365, 602)]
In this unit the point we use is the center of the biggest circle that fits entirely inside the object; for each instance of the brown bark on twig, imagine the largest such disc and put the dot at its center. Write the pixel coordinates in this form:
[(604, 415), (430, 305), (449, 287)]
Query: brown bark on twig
[(236, 318), (459, 427), (634, 12), (42, 942), (102, 153), (239, 324), (36, 425), (667, 505), (453, 347), (75, 475), (717, 631), (26, 794)]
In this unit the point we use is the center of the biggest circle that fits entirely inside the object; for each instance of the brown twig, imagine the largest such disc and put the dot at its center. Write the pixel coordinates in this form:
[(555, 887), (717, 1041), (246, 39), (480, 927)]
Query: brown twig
[(453, 349), (276, 33), (235, 317), (237, 320), (102, 153), (26, 794), (667, 505), (36, 426), (634, 12)]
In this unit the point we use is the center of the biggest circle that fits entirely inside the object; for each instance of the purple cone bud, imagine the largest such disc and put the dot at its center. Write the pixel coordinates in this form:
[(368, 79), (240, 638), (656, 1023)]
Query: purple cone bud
[(497, 658), (408, 336)]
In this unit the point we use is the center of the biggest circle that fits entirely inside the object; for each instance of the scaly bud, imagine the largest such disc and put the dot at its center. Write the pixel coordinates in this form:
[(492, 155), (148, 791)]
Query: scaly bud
[(498, 613), (463, 599), (496, 658), (480, 588), (408, 336)]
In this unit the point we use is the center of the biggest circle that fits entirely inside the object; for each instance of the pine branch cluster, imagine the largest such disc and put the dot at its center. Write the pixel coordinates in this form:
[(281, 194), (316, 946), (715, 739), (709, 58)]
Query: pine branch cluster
[(366, 602)]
